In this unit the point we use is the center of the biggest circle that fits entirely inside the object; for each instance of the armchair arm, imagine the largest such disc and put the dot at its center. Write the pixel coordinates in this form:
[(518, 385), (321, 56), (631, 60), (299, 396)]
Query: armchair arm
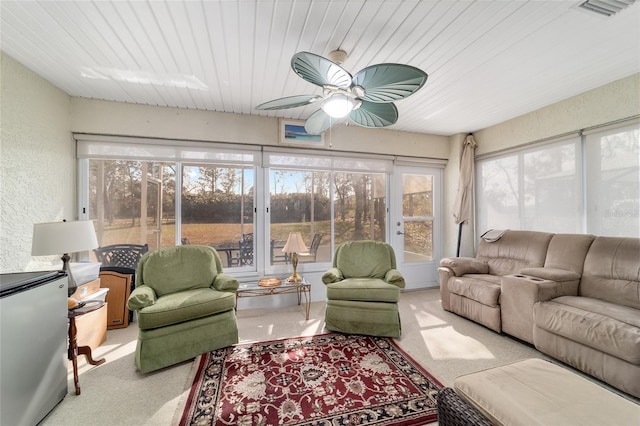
[(141, 297), (333, 275), (464, 265), (225, 282), (393, 276)]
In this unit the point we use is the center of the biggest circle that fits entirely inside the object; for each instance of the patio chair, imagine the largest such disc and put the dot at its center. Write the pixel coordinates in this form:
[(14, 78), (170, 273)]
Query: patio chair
[(363, 289), (121, 255), (245, 252), (185, 306), (313, 249)]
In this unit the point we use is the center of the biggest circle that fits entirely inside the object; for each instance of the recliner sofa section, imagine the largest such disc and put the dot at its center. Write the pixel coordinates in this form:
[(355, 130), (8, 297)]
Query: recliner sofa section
[(581, 304)]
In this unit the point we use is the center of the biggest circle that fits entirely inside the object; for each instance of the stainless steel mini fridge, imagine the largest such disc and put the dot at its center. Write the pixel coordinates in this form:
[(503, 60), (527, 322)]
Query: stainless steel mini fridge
[(33, 345)]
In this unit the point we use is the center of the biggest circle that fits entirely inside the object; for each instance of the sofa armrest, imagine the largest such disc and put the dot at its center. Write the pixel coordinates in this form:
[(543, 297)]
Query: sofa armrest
[(393, 276), (141, 297), (333, 275), (553, 274), (518, 295), (225, 282), (464, 265)]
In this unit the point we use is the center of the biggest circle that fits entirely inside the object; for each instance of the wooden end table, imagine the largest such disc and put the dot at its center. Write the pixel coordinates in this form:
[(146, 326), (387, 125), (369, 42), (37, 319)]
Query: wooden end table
[(302, 289), (74, 349)]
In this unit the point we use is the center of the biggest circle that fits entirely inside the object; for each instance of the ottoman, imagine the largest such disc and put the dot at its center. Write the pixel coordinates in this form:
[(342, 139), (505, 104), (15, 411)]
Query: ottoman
[(537, 392)]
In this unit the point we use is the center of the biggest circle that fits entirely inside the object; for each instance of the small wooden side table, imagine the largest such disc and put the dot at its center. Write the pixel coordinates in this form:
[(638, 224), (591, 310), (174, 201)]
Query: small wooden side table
[(74, 349)]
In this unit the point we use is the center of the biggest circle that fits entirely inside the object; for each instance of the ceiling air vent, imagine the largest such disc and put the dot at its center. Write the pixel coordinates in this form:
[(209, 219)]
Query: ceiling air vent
[(606, 7)]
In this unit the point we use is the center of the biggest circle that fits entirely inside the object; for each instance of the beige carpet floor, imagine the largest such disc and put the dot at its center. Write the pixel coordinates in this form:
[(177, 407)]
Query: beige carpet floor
[(115, 394)]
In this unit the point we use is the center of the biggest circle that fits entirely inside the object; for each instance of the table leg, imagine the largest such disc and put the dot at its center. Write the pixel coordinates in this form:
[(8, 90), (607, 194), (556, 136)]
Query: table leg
[(72, 353), (86, 351), (307, 297)]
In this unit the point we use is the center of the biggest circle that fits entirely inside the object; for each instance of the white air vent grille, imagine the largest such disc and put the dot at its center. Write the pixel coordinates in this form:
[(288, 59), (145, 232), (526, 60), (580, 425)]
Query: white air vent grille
[(606, 7)]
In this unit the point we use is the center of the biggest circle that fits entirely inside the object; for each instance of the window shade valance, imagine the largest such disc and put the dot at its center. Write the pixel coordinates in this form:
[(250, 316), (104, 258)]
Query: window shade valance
[(131, 148)]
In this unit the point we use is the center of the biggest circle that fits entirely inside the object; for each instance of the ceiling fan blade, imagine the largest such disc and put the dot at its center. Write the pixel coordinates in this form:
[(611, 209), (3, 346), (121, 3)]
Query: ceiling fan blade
[(389, 82), (372, 114), (320, 121), (320, 71), (289, 102)]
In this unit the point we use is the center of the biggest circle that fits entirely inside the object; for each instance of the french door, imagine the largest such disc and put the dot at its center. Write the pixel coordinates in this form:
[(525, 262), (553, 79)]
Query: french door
[(416, 224)]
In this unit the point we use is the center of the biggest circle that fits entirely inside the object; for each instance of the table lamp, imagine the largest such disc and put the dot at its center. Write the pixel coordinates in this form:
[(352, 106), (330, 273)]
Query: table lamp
[(64, 237), (294, 246)]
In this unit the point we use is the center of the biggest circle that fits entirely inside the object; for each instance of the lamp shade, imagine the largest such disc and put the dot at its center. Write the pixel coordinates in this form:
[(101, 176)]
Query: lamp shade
[(338, 105), (63, 237), (295, 244)]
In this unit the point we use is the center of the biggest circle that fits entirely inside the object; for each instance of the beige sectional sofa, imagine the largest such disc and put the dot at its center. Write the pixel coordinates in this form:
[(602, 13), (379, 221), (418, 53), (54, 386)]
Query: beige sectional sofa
[(575, 297)]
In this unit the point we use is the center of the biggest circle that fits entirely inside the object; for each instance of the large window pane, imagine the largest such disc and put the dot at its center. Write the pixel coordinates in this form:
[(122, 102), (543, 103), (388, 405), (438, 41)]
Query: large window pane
[(551, 197), (498, 194), (132, 202), (218, 210), (359, 206), (299, 202), (613, 182)]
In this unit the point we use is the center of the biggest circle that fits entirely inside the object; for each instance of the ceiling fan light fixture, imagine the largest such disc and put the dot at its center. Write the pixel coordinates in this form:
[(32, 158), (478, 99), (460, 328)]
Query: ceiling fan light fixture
[(338, 105)]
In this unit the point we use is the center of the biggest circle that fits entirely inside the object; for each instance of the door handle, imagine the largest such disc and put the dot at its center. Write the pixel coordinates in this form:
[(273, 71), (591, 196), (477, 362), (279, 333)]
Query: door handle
[(399, 233)]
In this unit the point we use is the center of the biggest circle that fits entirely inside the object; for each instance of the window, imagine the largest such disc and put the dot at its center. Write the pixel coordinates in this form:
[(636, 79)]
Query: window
[(328, 200), (163, 193), (544, 187), (217, 210), (132, 202), (240, 200), (300, 201), (613, 181)]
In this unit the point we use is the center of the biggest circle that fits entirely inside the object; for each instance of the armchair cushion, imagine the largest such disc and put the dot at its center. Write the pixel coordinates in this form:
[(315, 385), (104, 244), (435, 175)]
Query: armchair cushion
[(350, 259), (173, 269), (141, 297), (185, 306), (363, 289)]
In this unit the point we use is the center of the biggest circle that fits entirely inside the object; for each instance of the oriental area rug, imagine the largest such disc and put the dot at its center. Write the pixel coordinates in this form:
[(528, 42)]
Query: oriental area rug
[(329, 379)]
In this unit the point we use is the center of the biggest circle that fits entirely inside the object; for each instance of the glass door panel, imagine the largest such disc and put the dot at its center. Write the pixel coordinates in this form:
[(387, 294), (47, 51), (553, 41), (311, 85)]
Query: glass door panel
[(414, 235)]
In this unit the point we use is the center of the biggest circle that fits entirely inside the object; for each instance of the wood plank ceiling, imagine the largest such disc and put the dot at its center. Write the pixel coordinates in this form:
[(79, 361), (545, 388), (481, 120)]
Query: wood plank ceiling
[(488, 61)]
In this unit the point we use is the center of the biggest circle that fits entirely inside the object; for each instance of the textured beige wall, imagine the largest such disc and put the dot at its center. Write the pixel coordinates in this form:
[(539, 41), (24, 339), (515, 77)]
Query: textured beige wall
[(615, 101), (37, 177), (115, 118)]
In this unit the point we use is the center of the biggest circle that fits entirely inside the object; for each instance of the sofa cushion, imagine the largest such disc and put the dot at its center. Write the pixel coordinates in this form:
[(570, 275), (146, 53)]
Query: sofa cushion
[(479, 287), (513, 251), (184, 306), (612, 271), (602, 325), (363, 289), (567, 252)]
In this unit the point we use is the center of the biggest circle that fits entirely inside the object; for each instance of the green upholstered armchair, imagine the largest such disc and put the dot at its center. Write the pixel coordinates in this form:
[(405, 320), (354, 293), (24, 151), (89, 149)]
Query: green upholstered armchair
[(185, 306), (363, 288)]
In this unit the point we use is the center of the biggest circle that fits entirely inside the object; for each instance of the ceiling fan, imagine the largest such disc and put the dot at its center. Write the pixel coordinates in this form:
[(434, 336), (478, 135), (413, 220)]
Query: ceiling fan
[(366, 98)]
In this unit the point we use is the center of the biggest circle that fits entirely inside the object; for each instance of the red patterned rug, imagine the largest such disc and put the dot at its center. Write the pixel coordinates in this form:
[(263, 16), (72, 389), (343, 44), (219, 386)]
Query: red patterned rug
[(330, 379)]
